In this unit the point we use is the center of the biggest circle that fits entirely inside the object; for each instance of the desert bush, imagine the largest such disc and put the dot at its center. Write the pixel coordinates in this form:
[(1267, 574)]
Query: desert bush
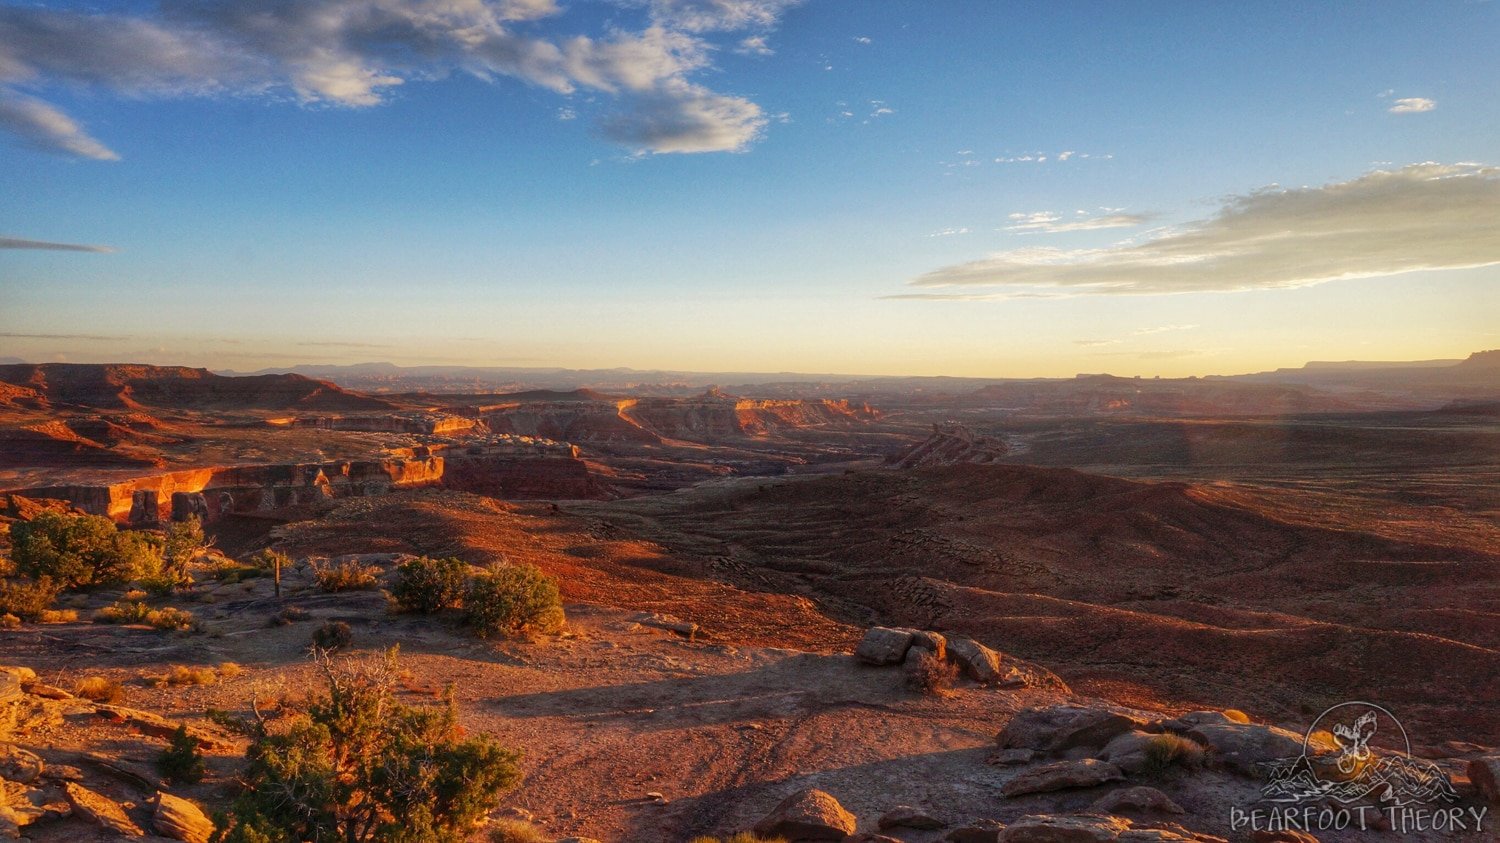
[(354, 765), (741, 837), (57, 616), (512, 599), (81, 550), (516, 831), (182, 761), (230, 670), (179, 674), (229, 571), (123, 611), (346, 576), (9, 621), (183, 541), (426, 585), (1167, 751), (289, 615), (170, 619), (99, 689), (931, 675), (333, 636), (27, 598)]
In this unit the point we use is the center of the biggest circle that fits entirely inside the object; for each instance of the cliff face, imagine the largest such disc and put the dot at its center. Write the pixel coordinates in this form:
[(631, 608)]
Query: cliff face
[(133, 386), (651, 420)]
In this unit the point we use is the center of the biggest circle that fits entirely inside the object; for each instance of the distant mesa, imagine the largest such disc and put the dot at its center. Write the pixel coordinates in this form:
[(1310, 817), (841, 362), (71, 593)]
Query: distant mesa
[(128, 386)]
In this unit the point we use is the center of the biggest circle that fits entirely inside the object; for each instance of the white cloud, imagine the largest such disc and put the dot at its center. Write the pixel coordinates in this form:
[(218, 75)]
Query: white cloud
[(1412, 105), (352, 52), (1420, 217), (1047, 222), (17, 243), (949, 232), (39, 125), (860, 39), (688, 119), (755, 45), (1161, 329), (567, 113)]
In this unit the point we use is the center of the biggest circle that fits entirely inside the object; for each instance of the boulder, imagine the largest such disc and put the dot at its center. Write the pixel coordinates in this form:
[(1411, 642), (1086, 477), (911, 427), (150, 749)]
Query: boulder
[(1055, 729), (870, 837), (1187, 721), (1135, 799), (20, 765), (977, 831), (906, 816), (1050, 828), (807, 815), (180, 819), (933, 642), (101, 810), (884, 645), (977, 661), (41, 689), (1011, 757), (1128, 751), (1063, 775), (1484, 774), (1242, 746), (1285, 836)]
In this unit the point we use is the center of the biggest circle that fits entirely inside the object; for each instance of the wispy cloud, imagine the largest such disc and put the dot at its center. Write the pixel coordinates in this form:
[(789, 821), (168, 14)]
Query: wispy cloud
[(337, 344), (754, 45), (352, 54), (949, 232), (1044, 157), (860, 39), (1161, 329), (1091, 343), (17, 243), (1420, 217), (1412, 105), (88, 337), (1048, 222), (41, 126)]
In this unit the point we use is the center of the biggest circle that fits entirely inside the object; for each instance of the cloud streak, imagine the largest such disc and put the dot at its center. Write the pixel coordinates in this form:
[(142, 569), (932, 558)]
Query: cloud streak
[(1412, 105), (17, 243), (1047, 222), (1420, 217), (352, 53)]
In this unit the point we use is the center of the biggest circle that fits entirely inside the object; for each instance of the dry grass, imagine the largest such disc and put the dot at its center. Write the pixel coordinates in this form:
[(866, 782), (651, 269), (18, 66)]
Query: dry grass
[(99, 689), (58, 616), (9, 621), (741, 837), (183, 675), (1168, 751), (346, 576), (230, 670), (932, 676), (516, 831)]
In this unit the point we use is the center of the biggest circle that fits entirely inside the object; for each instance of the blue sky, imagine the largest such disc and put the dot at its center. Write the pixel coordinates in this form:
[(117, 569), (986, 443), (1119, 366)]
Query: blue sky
[(750, 184)]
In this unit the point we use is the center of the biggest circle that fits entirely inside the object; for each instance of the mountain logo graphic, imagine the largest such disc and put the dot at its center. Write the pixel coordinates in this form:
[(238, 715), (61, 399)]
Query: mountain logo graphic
[(1337, 763)]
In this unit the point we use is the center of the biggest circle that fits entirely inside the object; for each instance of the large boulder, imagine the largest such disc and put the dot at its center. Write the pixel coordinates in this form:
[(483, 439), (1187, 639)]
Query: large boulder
[(883, 645), (1136, 800), (1243, 746), (101, 810), (808, 814), (1055, 729), (1484, 774), (977, 661), (1050, 828), (180, 819), (906, 816), (1063, 775), (1129, 750), (933, 642)]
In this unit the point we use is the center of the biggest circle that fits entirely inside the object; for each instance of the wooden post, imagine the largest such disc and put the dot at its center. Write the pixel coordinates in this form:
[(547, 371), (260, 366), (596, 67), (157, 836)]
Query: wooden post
[(276, 567)]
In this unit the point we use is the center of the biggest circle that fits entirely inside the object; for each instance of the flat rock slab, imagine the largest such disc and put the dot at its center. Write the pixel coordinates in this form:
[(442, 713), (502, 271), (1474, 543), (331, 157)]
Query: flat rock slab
[(1049, 828), (101, 810), (1063, 775), (1055, 729), (1484, 774), (180, 819), (1138, 799), (906, 816)]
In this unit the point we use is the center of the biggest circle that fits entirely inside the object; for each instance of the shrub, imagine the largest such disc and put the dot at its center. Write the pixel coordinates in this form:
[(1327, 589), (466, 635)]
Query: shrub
[(333, 636), (124, 611), (172, 619), (184, 539), (99, 689), (57, 616), (230, 670), (741, 837), (516, 831), (429, 585), (179, 674), (356, 765), (289, 615), (1167, 751), (81, 550), (512, 599), (27, 598), (931, 675), (346, 576), (181, 762), (9, 621)]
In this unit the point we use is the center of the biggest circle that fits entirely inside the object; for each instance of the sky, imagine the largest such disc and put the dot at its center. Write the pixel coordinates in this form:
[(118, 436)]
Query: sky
[(978, 188)]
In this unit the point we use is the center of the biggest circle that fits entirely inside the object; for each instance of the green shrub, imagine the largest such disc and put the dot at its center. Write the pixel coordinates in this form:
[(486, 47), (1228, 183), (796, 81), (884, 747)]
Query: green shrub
[(426, 585), (354, 764), (333, 636), (346, 576), (81, 550), (168, 618), (124, 611), (181, 762), (516, 831), (27, 598), (512, 599)]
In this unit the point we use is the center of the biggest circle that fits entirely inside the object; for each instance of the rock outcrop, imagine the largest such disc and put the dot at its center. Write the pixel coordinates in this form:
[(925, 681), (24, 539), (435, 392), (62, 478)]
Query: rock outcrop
[(1063, 775), (808, 815)]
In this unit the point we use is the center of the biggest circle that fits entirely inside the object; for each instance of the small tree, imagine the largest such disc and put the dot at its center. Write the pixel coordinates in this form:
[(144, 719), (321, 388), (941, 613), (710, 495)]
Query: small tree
[(426, 585), (181, 762), (512, 599), (356, 765), (184, 540), (81, 550)]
